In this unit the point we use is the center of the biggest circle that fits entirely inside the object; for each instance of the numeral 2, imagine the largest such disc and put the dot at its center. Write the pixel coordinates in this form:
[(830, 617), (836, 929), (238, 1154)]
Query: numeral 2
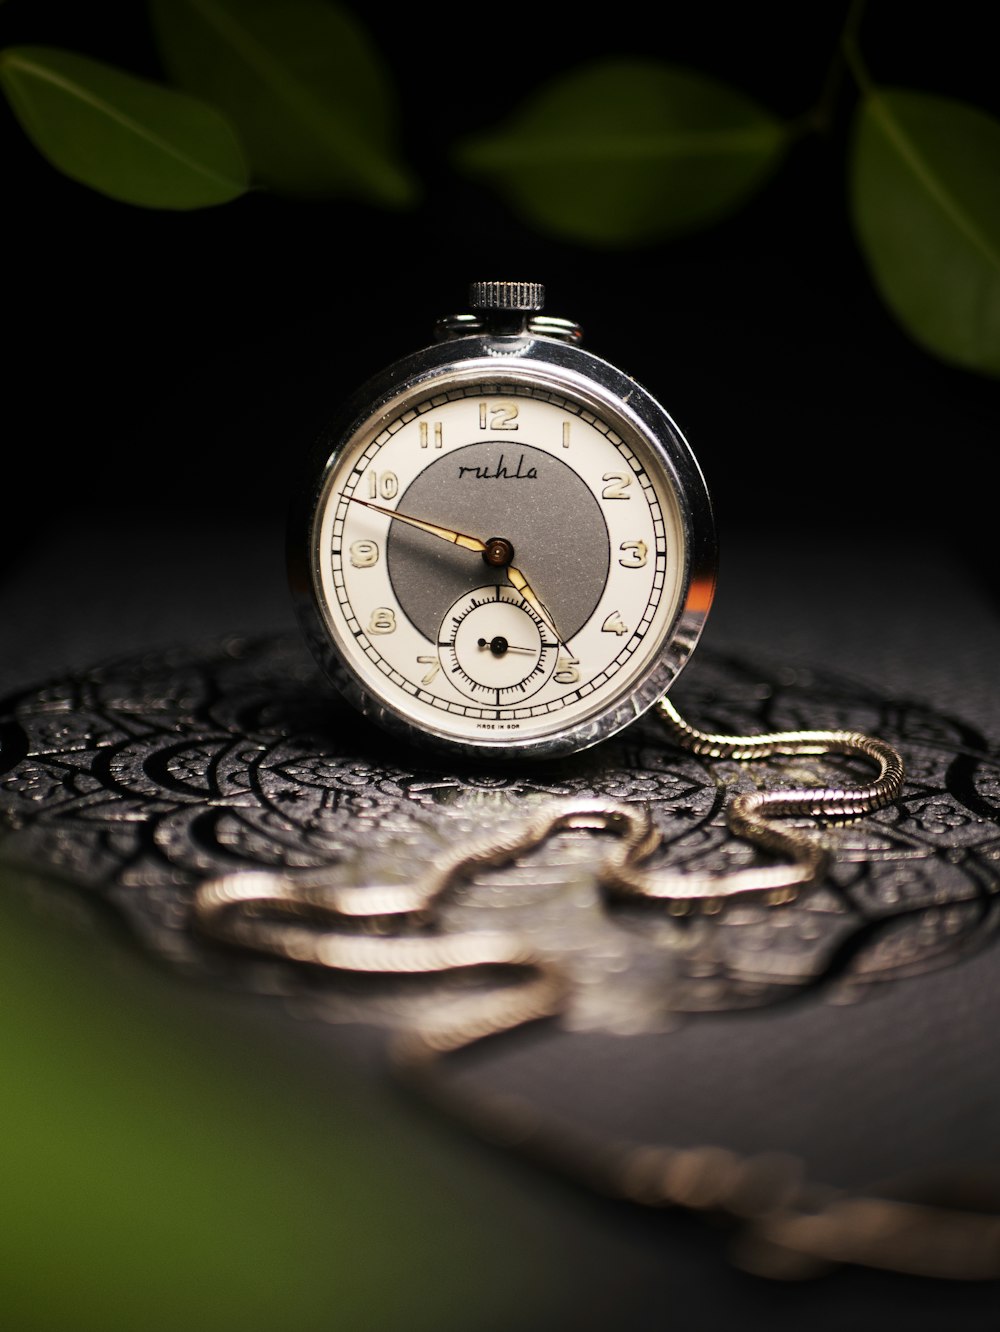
[(617, 484)]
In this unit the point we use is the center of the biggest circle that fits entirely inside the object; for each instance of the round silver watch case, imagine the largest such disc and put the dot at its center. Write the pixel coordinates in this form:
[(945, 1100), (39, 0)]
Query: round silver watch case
[(551, 361)]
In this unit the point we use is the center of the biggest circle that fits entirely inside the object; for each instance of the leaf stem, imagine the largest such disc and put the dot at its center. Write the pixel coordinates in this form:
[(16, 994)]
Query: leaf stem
[(820, 117), (846, 56), (851, 46)]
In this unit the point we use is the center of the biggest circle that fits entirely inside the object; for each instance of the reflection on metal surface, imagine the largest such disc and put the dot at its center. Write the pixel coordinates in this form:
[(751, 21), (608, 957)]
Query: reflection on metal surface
[(141, 779)]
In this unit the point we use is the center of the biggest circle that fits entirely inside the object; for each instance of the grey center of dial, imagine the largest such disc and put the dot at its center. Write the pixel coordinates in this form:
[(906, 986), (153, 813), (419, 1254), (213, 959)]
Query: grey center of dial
[(487, 489)]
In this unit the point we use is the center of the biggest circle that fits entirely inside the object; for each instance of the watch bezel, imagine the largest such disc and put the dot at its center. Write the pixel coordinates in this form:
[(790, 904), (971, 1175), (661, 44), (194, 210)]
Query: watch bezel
[(562, 367)]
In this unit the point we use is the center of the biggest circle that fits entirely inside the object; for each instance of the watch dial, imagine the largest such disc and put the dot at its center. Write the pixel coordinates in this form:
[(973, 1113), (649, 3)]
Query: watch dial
[(498, 561)]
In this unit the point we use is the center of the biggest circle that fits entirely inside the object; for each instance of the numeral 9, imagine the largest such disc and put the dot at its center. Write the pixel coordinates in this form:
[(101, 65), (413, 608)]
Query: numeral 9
[(364, 554)]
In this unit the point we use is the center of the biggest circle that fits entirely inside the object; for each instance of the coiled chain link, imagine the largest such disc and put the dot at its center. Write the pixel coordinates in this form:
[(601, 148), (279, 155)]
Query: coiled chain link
[(791, 1228)]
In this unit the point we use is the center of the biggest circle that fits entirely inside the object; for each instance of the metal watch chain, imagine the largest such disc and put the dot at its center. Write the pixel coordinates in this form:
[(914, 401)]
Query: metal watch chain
[(311, 917), (790, 1227)]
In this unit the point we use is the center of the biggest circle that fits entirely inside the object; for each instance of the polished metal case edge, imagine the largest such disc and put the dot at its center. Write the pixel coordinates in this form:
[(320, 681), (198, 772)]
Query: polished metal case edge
[(530, 358)]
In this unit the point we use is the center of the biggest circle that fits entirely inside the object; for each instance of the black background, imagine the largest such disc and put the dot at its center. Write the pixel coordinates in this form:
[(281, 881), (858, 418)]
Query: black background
[(178, 365), (182, 362)]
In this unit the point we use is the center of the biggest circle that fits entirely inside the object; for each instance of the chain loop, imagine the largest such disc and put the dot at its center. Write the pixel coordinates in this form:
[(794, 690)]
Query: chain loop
[(790, 1227)]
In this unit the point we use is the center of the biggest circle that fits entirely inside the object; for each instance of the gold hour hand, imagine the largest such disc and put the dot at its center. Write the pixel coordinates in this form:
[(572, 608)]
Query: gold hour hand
[(445, 533), (521, 584)]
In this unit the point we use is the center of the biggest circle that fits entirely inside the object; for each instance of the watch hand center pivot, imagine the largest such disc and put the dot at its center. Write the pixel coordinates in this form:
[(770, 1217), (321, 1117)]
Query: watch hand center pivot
[(499, 552)]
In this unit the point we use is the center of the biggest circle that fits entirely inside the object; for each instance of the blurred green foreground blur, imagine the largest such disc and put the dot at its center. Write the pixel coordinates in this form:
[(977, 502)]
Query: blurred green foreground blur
[(168, 1165)]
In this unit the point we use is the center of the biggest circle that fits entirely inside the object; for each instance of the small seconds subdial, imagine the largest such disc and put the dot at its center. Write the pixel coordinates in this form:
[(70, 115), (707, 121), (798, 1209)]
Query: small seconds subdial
[(495, 648)]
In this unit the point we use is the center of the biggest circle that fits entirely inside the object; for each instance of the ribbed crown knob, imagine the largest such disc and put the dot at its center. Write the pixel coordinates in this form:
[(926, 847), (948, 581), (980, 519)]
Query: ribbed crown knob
[(526, 296)]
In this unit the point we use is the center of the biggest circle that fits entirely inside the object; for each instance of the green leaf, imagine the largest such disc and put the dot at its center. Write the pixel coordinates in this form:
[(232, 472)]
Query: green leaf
[(127, 137), (925, 197), (303, 85), (627, 151)]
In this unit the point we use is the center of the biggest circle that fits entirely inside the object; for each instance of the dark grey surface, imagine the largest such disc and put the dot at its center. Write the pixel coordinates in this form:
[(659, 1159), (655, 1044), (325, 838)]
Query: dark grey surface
[(904, 1078)]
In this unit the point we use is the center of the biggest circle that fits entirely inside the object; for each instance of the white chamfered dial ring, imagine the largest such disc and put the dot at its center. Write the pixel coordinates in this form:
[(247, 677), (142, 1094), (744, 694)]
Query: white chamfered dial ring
[(503, 554)]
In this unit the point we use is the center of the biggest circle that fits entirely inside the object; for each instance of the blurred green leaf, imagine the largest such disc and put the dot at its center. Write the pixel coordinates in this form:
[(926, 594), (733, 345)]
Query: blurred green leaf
[(925, 195), (303, 85), (127, 137), (165, 1165), (628, 151)]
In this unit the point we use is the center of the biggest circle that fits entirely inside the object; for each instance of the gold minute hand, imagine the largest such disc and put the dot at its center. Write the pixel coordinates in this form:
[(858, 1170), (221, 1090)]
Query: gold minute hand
[(445, 533), (516, 578)]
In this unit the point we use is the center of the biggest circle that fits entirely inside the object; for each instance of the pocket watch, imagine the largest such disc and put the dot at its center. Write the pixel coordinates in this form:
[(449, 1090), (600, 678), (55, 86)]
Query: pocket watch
[(504, 546)]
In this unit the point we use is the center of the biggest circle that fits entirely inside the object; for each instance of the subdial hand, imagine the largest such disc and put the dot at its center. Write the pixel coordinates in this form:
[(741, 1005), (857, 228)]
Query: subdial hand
[(445, 533), (500, 647)]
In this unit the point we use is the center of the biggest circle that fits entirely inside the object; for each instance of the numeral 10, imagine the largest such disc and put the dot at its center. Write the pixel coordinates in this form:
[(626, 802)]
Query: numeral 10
[(384, 484)]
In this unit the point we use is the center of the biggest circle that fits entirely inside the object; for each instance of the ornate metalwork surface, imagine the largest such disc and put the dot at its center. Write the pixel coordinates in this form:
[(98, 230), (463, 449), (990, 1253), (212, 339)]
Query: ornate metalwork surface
[(141, 777)]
